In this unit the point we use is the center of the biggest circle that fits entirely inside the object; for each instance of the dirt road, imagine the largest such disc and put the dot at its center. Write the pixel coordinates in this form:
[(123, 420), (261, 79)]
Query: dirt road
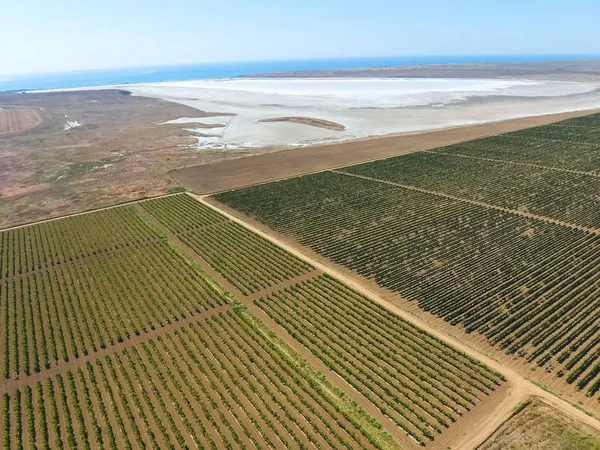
[(519, 389)]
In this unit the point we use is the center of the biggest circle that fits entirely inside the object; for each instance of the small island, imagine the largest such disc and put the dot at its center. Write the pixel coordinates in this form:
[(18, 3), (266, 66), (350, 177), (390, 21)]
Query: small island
[(319, 123)]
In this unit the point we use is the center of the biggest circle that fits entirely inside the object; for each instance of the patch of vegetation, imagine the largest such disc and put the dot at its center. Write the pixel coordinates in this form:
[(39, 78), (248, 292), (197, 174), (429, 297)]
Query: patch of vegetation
[(541, 426), (176, 189), (70, 172), (521, 406)]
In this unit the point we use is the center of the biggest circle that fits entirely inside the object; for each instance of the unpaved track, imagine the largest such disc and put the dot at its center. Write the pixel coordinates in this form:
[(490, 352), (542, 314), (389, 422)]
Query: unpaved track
[(242, 172), (519, 389), (316, 363), (472, 435), (61, 367)]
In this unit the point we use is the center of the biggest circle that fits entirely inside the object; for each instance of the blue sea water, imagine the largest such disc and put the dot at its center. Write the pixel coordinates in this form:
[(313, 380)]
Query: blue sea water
[(232, 69)]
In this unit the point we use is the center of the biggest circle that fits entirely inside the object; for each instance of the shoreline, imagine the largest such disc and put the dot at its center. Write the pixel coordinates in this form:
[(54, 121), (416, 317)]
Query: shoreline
[(282, 163), (363, 108)]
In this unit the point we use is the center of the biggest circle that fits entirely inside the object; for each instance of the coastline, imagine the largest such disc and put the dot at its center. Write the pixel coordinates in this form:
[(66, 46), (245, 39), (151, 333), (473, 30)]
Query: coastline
[(291, 162), (362, 108)]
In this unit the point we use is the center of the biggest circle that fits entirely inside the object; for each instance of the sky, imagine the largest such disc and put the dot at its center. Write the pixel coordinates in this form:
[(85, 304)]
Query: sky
[(61, 35)]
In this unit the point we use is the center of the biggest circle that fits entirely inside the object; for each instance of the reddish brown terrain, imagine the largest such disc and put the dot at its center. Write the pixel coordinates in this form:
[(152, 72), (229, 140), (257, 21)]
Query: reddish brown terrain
[(319, 123)]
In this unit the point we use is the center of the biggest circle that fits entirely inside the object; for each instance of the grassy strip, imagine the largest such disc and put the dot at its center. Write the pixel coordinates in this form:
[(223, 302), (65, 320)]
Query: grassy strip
[(520, 407), (199, 270), (156, 230), (368, 425)]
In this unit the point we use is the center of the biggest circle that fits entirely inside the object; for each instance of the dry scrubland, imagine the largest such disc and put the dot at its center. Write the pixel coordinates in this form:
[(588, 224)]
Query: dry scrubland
[(163, 324), (119, 152), (497, 236), (535, 425)]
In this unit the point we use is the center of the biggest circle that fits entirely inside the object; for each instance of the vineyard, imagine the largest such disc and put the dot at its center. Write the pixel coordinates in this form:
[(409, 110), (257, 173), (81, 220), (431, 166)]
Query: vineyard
[(571, 144), (220, 382), (77, 286), (113, 337), (566, 196), (420, 383), (247, 261), (467, 231)]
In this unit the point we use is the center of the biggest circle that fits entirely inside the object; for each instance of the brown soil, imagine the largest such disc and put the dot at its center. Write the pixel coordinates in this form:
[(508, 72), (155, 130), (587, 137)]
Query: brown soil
[(241, 172), (205, 125), (319, 123), (15, 120), (120, 152), (539, 426)]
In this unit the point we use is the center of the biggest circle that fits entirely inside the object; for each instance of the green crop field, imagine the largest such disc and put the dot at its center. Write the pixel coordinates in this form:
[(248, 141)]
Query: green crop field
[(420, 383), (247, 261), (122, 329), (498, 235)]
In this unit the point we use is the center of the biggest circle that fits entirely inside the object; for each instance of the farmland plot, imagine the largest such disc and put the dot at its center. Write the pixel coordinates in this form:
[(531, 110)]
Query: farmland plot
[(421, 384), (76, 286), (15, 120), (421, 406), (566, 196), (573, 144), (112, 338), (529, 286), (220, 382), (247, 261)]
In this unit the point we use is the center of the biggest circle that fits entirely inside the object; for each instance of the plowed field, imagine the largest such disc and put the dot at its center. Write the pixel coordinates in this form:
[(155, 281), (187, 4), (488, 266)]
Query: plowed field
[(13, 120)]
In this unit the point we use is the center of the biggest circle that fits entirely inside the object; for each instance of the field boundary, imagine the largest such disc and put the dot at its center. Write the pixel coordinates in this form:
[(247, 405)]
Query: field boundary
[(87, 211), (247, 301), (297, 162), (520, 387), (61, 368)]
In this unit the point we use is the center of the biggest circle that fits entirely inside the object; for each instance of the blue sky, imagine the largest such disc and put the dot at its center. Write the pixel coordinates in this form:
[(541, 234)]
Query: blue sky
[(59, 35)]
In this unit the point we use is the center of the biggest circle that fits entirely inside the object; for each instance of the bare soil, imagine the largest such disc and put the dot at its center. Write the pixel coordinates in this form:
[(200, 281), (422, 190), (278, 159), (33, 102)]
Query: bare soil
[(242, 172), (310, 121), (15, 120), (539, 426), (119, 153)]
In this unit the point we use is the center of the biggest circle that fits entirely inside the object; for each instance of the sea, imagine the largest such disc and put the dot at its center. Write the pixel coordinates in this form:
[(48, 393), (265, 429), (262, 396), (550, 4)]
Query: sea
[(232, 69)]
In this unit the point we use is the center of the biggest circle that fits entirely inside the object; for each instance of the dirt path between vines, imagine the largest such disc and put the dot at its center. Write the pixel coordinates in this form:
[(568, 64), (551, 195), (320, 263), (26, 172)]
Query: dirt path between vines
[(464, 437), (61, 367), (477, 431), (247, 300)]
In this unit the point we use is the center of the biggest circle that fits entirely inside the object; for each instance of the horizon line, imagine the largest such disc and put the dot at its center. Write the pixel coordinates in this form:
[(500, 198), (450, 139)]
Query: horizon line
[(570, 56)]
